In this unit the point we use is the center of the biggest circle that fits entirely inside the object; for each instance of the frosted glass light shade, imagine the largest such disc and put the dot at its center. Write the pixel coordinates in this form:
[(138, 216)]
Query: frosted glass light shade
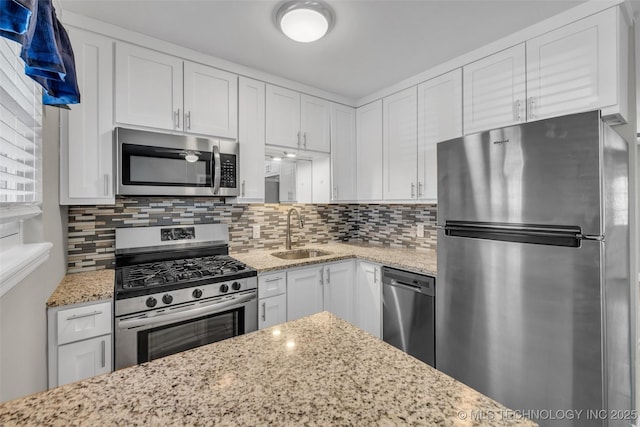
[(304, 21)]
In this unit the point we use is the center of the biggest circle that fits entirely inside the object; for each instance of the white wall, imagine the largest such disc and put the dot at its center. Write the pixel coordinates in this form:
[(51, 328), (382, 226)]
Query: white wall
[(23, 322)]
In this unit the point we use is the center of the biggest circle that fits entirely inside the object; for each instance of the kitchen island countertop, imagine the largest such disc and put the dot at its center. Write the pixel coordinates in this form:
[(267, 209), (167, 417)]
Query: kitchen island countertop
[(319, 370)]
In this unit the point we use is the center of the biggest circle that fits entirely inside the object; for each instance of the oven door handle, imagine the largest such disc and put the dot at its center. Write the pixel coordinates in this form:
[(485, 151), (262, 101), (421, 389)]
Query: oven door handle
[(184, 314)]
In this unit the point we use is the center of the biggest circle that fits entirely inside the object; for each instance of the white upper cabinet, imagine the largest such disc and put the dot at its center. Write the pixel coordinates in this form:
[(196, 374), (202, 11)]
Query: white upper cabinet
[(283, 117), (148, 88), (296, 120), (399, 141), (575, 68), (149, 92), (343, 152), (439, 119), (210, 101), (86, 146), (495, 90), (315, 123), (369, 151), (251, 137)]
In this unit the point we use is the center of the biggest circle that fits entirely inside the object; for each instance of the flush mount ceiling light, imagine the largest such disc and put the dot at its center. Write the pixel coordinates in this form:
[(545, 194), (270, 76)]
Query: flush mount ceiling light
[(304, 20), (289, 154)]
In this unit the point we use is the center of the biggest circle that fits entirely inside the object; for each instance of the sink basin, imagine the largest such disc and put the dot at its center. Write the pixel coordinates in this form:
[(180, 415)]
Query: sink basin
[(300, 254)]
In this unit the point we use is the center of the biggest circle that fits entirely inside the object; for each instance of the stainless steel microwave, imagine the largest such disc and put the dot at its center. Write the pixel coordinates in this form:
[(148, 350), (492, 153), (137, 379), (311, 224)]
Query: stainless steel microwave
[(160, 164)]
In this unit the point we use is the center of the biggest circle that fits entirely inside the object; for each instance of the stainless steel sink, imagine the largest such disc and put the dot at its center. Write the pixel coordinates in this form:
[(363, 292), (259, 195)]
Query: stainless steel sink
[(300, 254)]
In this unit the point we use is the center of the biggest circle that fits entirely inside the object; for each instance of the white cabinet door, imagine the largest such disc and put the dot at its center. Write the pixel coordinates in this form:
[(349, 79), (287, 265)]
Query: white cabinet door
[(367, 308), (84, 359), (287, 182), (251, 138), (272, 311), (338, 289), (495, 90), (439, 119), (304, 292), (573, 68), (315, 123), (343, 152), (86, 145), (321, 171), (283, 117), (369, 151), (400, 145), (210, 101), (148, 88)]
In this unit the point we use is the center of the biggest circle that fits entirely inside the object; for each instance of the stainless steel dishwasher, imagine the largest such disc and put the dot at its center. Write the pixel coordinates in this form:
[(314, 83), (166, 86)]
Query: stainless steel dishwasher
[(408, 313)]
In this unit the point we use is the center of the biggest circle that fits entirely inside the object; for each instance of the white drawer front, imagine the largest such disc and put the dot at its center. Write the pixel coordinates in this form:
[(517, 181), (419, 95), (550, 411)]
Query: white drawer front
[(84, 322), (270, 285)]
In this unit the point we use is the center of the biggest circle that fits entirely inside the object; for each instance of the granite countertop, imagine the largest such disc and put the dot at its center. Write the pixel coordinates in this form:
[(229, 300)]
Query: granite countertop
[(83, 287), (421, 261), (319, 370)]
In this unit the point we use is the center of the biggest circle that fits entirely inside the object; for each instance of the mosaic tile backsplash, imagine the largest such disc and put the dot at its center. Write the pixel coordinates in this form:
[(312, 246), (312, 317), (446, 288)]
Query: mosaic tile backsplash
[(91, 241)]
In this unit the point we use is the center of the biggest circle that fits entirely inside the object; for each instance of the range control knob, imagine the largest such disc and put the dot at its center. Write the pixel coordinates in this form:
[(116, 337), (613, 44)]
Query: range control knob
[(236, 286), (224, 288), (167, 298), (197, 293), (151, 302)]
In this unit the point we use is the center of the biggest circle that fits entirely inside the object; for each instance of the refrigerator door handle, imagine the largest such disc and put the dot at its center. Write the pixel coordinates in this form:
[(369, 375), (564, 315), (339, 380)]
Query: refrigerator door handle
[(591, 237), (535, 234)]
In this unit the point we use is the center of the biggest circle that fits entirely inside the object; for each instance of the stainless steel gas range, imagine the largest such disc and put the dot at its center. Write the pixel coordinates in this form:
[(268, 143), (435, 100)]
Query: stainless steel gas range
[(177, 288)]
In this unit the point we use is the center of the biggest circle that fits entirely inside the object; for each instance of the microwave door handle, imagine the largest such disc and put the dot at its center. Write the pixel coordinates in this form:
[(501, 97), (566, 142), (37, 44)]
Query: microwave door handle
[(215, 160)]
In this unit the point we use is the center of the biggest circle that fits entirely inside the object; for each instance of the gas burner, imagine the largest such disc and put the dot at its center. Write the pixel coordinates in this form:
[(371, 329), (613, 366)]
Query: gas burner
[(162, 273)]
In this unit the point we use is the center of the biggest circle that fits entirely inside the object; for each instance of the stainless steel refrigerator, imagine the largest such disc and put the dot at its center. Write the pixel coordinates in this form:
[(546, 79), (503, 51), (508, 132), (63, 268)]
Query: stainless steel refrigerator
[(533, 303)]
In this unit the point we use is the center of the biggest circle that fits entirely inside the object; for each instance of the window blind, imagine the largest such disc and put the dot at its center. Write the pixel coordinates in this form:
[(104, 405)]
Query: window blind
[(20, 132)]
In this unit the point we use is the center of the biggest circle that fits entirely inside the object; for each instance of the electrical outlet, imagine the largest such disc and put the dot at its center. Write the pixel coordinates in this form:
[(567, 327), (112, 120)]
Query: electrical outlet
[(256, 231), (420, 230)]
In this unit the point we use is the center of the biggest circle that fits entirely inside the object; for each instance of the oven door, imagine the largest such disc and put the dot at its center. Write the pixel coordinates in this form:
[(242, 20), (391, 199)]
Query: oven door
[(151, 335)]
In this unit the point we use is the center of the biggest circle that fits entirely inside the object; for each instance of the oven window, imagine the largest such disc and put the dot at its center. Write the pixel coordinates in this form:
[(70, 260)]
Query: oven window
[(144, 165), (174, 338)]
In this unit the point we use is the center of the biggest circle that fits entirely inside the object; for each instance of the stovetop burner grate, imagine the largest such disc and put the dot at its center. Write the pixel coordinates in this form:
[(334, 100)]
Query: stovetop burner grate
[(177, 271)]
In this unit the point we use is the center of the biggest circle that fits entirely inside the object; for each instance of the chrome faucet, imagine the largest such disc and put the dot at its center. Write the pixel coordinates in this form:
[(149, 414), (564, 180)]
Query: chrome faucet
[(300, 225)]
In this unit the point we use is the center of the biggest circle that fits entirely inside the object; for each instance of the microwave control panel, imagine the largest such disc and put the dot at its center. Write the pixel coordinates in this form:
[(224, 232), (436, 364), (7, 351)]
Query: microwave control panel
[(228, 170)]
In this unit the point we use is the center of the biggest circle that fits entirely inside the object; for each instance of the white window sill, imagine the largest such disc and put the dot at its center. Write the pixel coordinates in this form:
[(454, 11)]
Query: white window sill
[(19, 261)]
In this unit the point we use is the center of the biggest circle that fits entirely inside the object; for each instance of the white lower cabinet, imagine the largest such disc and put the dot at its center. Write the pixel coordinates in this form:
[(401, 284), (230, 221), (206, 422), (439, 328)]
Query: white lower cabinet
[(84, 359), (367, 296), (304, 291), (321, 287), (80, 342), (272, 299)]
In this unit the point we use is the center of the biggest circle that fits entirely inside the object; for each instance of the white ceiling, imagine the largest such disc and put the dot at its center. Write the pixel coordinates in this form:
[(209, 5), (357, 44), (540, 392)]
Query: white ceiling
[(374, 44)]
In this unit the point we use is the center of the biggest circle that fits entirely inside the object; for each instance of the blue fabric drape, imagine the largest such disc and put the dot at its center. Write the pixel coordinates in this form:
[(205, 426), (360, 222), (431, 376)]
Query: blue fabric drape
[(46, 48), (15, 18)]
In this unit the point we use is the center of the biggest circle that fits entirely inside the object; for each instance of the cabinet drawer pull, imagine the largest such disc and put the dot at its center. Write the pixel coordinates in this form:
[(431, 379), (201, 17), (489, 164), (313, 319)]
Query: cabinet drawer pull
[(80, 316), (328, 275), (275, 279), (298, 139), (322, 276), (187, 120), (305, 140), (419, 189), (243, 182), (176, 120), (264, 311), (103, 356)]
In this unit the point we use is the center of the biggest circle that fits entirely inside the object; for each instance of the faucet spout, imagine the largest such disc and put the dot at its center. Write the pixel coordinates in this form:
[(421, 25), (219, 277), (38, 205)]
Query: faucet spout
[(300, 225)]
